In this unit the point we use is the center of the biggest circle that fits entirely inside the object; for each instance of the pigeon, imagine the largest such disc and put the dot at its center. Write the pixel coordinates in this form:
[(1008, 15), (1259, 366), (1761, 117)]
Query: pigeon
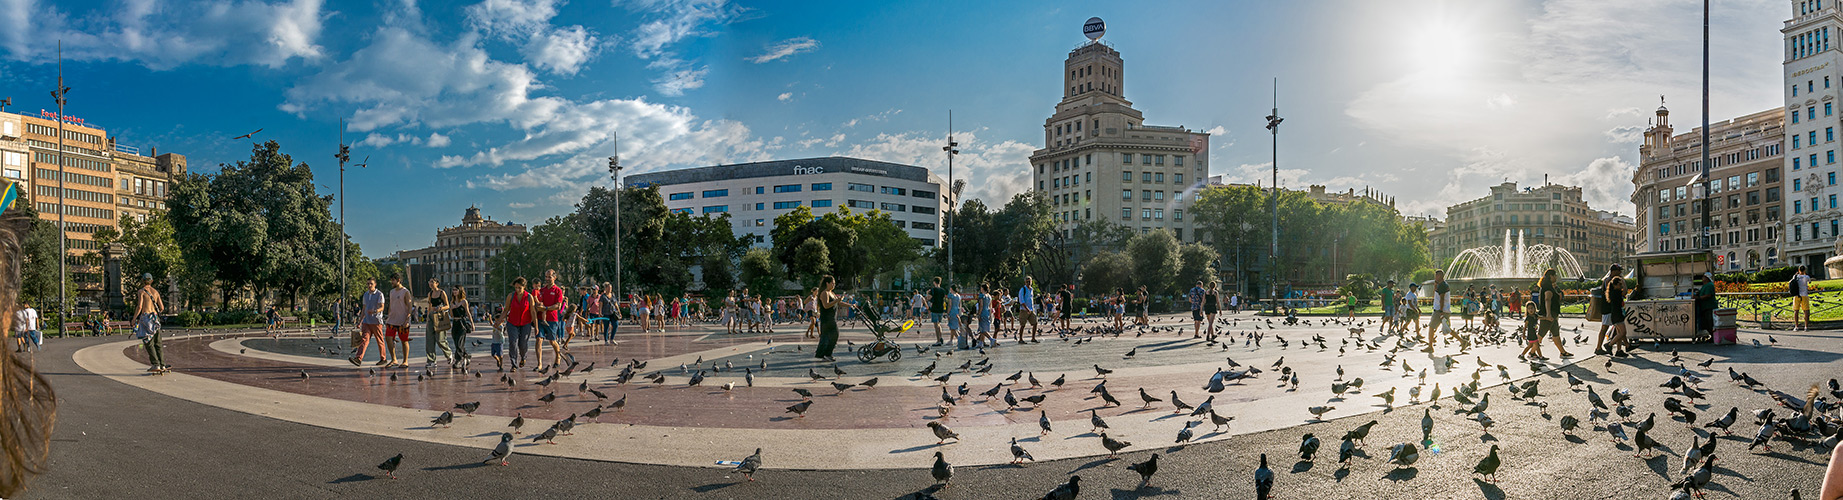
[(1308, 446), (750, 464), (1426, 425), (1066, 491), (1765, 435), (1569, 423), (1010, 400), (518, 422), (303, 375), (468, 407), (1113, 445), (1043, 421), (1219, 420), (941, 431), (564, 426), (1361, 433), (804, 394), (502, 451), (619, 403), (1035, 399), (1184, 435), (1178, 403), (1145, 469), (1108, 397), (1692, 454), (1488, 465), (1018, 455), (1700, 478), (1345, 450), (869, 383), (1101, 372), (548, 436), (800, 408), (1318, 412), (390, 466), (593, 413), (840, 387), (1059, 380), (1388, 396), (1263, 480), (1617, 431), (1094, 417), (1143, 396), (446, 418), (943, 471), (547, 398), (1404, 455)]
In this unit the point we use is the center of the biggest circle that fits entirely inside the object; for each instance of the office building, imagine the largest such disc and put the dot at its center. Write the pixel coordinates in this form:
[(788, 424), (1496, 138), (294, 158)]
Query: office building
[(1101, 161), (753, 194), (1747, 155), (1811, 91)]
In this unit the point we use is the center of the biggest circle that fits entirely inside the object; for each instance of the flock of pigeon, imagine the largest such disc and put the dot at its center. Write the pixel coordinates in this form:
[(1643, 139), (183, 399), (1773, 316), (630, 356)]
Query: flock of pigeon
[(1812, 419)]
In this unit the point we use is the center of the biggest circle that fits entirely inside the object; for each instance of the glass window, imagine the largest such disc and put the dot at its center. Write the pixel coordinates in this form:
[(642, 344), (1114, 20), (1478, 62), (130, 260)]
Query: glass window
[(1145, 195), (1158, 195), (1159, 160), (789, 188), (717, 208), (1158, 213), (759, 189), (822, 203), (1126, 176), (1177, 178), (716, 193), (1145, 213), (758, 206), (1794, 142), (895, 207), (1145, 177), (860, 187), (1126, 194), (1795, 165), (1126, 213), (921, 194), (1798, 184), (1145, 159), (1178, 160), (1794, 112), (1126, 158), (822, 186), (784, 205), (1158, 177), (679, 196), (894, 191), (860, 204)]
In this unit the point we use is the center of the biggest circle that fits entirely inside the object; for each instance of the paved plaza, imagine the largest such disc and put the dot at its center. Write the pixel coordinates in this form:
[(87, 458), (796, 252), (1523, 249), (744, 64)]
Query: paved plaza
[(250, 423)]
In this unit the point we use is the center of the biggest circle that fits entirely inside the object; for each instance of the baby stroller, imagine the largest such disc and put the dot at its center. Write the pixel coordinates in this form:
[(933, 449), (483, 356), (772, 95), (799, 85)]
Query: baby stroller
[(883, 346)]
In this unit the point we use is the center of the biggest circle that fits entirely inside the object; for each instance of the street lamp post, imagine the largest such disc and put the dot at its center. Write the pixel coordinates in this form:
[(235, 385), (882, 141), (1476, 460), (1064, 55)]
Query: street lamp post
[(953, 197), (1273, 204), (63, 273), (614, 172), (345, 153), (1706, 241)]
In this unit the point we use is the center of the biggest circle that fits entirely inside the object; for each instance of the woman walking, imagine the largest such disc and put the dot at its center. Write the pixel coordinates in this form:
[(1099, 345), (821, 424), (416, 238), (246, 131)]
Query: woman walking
[(641, 311), (460, 324), (1614, 284), (828, 319), (521, 319), (1212, 304)]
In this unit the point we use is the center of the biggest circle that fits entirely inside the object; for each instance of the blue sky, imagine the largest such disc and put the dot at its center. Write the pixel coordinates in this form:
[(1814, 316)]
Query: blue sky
[(509, 104)]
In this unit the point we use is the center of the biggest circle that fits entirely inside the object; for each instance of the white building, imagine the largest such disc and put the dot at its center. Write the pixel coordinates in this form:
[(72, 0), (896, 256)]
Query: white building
[(755, 193), (1812, 87)]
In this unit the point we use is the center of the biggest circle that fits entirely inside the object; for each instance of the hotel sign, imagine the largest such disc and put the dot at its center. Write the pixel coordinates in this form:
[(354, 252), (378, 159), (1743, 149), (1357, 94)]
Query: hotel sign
[(805, 170)]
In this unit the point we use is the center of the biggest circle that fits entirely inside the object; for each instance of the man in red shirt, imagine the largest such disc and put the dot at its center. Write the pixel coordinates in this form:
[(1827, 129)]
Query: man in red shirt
[(550, 324)]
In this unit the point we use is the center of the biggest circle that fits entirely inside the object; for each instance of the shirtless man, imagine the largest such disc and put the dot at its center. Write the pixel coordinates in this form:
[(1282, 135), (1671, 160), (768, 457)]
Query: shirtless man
[(147, 309)]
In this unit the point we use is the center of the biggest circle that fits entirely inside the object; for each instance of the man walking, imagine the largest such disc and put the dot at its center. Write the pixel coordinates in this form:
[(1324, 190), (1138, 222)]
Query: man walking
[(550, 324), (1196, 310), (937, 307), (1027, 309), (1442, 298), (371, 325), (1388, 307), (25, 323), (397, 322), (1065, 302), (1800, 287), (147, 309)]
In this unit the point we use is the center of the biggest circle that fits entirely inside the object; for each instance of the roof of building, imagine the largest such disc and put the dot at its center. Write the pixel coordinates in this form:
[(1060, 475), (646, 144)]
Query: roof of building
[(778, 168)]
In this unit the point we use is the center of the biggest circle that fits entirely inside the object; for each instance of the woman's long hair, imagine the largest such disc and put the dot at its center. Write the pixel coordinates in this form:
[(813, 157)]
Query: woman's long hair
[(28, 407), (1548, 280)]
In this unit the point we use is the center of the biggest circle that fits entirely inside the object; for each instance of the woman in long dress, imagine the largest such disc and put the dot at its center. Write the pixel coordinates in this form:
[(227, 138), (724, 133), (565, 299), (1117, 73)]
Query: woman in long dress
[(828, 319)]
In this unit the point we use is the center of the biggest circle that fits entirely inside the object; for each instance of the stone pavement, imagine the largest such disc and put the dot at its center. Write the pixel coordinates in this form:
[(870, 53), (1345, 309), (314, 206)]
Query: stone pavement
[(1541, 463)]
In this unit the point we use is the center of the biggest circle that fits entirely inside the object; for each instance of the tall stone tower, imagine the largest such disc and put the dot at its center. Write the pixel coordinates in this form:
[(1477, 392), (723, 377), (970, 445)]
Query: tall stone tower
[(1812, 89)]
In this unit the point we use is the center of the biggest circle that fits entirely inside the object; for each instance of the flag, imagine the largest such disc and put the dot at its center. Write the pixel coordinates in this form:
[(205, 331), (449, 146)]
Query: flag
[(8, 194)]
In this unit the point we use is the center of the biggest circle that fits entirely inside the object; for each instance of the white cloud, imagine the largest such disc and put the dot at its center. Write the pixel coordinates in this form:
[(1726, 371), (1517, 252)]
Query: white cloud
[(835, 140), (1500, 101), (520, 205), (1626, 134), (675, 20), (994, 171), (785, 96), (1216, 131), (1605, 183), (678, 81), (562, 51), (223, 33), (785, 48), (436, 140), (512, 19)]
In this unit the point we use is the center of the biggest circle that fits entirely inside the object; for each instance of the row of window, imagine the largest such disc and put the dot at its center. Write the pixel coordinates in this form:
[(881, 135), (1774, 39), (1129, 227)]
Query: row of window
[(817, 186), (70, 161), (1693, 167), (1830, 135), (1152, 214), (77, 211), (75, 178), (1718, 185), (1146, 159), (1150, 195), (1808, 43), (48, 192), (72, 135)]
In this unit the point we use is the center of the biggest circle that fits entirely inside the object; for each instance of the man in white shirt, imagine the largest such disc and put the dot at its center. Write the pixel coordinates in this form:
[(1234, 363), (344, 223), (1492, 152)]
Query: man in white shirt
[(916, 303), (25, 323)]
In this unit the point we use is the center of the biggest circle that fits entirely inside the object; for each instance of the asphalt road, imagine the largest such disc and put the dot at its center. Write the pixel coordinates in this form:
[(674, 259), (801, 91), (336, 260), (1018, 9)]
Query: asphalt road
[(115, 441)]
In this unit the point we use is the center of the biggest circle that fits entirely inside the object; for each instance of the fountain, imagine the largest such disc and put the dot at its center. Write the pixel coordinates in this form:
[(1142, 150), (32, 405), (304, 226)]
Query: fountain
[(1517, 264)]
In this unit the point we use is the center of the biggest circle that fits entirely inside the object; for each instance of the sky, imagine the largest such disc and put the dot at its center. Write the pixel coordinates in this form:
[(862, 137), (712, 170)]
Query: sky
[(514, 105)]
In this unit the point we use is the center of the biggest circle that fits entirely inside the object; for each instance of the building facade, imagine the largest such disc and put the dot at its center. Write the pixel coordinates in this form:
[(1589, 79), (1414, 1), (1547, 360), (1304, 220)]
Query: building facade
[(1811, 91), (755, 193), (461, 255), (1100, 161), (1552, 214), (1747, 222), (99, 182)]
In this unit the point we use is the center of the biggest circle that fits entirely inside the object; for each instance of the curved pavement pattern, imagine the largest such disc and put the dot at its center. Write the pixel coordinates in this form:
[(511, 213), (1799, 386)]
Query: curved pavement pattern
[(874, 428)]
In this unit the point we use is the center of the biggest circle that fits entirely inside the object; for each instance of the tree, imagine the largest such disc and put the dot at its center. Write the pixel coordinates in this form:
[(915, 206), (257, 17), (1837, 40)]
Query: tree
[(1197, 262), (811, 260), (760, 271), (1155, 260), (150, 249), (38, 270), (259, 224), (719, 274), (1097, 235), (1106, 272)]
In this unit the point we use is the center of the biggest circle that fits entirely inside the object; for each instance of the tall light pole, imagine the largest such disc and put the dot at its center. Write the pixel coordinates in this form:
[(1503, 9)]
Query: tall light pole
[(1706, 164), (953, 197), (63, 273), (614, 172), (1273, 203), (345, 153)]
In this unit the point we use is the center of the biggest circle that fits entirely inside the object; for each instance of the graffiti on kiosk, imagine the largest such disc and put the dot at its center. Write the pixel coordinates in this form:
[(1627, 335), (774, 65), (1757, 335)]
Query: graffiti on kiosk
[(1663, 318)]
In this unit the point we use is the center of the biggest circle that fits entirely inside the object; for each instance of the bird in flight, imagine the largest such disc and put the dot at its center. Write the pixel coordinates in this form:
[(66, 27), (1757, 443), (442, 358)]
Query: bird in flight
[(246, 136)]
